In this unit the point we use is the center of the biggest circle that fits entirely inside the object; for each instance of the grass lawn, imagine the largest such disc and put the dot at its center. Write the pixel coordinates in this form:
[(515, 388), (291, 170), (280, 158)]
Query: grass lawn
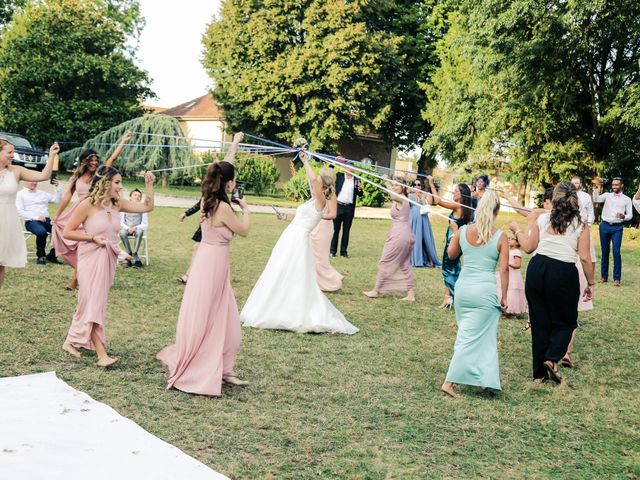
[(360, 407)]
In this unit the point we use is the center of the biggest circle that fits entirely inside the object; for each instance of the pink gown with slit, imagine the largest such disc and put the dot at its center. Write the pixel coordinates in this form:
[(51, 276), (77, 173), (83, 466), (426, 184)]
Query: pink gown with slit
[(329, 280), (394, 267), (96, 271), (208, 333), (68, 249)]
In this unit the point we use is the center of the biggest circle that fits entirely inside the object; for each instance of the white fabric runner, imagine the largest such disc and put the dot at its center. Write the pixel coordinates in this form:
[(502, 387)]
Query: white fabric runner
[(49, 430)]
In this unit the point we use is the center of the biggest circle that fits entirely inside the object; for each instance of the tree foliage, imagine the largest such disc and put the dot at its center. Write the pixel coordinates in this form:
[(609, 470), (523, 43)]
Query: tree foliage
[(7, 8), (65, 71), (157, 143), (320, 69), (538, 88)]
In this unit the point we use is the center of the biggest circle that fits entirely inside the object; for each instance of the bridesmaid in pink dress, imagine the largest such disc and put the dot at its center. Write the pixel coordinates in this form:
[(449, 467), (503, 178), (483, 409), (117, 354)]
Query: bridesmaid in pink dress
[(208, 333), (97, 255), (80, 183), (394, 267), (329, 280)]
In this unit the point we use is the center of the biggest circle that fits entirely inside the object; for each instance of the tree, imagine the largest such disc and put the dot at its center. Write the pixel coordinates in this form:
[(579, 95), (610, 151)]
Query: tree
[(158, 143), (325, 70), (537, 88), (7, 7), (65, 72)]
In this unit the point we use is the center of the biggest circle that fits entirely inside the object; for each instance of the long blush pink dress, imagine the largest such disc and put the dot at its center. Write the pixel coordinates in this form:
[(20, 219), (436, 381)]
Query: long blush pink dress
[(394, 267), (67, 249), (208, 333), (96, 271), (328, 277), (516, 299)]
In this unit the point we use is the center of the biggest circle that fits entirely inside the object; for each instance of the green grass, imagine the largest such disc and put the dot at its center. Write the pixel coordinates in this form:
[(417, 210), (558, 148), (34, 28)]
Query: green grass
[(360, 407)]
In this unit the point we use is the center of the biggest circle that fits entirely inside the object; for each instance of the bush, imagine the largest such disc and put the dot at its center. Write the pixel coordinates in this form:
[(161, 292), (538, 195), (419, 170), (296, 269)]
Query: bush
[(373, 196), (259, 174), (297, 189)]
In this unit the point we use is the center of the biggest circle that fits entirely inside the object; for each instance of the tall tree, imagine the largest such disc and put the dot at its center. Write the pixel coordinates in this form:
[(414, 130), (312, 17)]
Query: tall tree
[(321, 69), (65, 71), (537, 85), (7, 7)]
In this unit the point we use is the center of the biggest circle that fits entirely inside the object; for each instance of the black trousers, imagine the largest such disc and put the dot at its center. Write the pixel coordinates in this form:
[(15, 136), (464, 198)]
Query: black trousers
[(552, 288), (344, 219), (40, 230)]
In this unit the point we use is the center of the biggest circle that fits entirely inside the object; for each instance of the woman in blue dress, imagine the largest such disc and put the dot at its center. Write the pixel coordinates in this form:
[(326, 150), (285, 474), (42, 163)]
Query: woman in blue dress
[(475, 353), (461, 214), (424, 250)]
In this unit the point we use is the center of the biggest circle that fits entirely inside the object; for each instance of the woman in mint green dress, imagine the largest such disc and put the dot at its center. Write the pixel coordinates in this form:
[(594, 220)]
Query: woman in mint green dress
[(475, 355)]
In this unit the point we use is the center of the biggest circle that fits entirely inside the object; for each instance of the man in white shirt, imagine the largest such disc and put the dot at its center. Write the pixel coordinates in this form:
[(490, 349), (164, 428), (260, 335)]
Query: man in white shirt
[(616, 210), (33, 207), (348, 188), (587, 212), (133, 224)]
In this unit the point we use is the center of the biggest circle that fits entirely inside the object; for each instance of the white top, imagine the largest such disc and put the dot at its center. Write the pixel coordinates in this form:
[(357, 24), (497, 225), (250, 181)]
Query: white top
[(563, 248), (636, 203), (586, 207), (143, 225), (34, 204), (346, 192), (613, 203)]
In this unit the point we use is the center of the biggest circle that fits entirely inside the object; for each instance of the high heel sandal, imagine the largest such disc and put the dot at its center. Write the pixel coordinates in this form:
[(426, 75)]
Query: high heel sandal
[(447, 304)]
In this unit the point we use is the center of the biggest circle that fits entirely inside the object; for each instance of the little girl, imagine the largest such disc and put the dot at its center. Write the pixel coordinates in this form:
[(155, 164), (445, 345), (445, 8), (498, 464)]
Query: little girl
[(516, 300)]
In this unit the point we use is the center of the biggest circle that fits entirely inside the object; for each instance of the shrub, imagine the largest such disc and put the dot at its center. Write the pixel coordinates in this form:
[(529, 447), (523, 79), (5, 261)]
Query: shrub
[(297, 189), (373, 196), (259, 174)]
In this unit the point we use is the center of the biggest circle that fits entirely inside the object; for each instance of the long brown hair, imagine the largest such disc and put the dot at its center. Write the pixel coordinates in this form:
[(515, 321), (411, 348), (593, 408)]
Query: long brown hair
[(213, 187), (83, 166), (465, 200), (565, 208)]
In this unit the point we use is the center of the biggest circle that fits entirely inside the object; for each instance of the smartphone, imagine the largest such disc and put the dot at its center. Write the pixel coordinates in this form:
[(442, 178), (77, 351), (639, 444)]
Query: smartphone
[(54, 177)]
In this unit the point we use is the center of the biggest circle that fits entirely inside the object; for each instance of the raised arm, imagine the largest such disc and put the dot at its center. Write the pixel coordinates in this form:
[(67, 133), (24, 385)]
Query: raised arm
[(118, 150), (32, 176), (229, 218), (231, 153), (517, 206), (437, 199), (528, 240), (597, 196), (141, 207)]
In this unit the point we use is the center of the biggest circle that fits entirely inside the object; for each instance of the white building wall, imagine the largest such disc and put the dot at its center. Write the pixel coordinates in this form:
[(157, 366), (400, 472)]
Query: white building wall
[(205, 134)]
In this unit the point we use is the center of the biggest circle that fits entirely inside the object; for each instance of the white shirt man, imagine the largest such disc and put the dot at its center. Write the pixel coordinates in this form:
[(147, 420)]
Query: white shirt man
[(616, 210), (345, 196), (33, 207), (586, 211)]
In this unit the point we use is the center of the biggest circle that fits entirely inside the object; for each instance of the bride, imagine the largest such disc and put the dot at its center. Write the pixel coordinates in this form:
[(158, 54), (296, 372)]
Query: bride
[(287, 295)]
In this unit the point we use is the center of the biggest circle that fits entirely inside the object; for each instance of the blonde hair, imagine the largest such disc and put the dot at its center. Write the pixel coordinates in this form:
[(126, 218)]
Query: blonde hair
[(101, 184), (328, 177), (486, 213)]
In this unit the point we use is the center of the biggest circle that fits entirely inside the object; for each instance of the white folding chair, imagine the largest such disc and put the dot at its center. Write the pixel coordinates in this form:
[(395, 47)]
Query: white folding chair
[(145, 255), (27, 236)]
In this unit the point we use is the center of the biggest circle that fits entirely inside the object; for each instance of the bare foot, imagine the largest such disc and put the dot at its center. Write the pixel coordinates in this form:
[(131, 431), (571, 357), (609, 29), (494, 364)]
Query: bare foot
[(235, 381), (107, 361), (67, 347), (409, 298), (447, 387), (71, 286), (372, 294)]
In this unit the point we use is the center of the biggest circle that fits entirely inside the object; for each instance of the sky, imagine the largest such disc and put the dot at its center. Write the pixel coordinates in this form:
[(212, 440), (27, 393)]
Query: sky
[(170, 48)]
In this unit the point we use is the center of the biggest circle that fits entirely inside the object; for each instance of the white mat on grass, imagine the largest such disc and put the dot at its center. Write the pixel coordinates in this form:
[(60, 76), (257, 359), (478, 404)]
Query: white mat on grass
[(49, 430)]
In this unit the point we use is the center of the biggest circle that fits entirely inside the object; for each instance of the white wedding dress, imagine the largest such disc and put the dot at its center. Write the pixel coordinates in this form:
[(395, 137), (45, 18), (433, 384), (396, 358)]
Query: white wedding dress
[(287, 295)]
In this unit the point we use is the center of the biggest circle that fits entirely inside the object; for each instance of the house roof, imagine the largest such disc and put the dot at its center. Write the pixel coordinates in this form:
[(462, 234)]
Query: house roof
[(204, 106)]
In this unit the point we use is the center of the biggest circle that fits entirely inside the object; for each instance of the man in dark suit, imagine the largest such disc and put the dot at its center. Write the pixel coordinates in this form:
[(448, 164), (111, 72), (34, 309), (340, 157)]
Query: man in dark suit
[(348, 189)]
